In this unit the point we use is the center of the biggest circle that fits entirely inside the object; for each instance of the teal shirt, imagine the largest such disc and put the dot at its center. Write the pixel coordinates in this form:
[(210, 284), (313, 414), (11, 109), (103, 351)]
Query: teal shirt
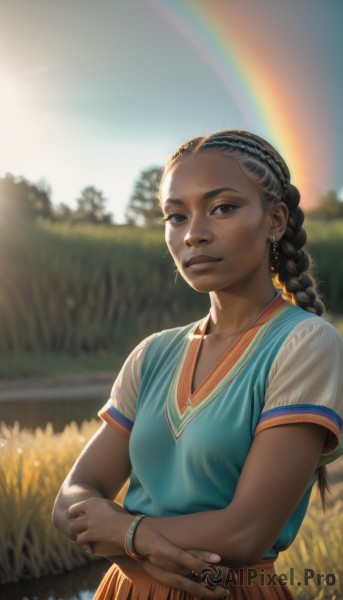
[(187, 458)]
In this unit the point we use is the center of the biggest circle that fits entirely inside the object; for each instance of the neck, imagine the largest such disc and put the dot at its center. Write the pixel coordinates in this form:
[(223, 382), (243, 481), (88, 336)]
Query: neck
[(231, 314)]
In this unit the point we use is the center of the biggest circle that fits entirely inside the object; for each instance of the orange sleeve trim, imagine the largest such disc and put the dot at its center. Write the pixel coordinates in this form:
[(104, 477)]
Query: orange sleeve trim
[(116, 419), (332, 439)]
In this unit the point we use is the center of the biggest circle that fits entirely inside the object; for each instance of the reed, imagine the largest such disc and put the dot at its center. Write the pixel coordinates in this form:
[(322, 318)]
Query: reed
[(87, 290), (32, 467), (83, 290), (318, 548)]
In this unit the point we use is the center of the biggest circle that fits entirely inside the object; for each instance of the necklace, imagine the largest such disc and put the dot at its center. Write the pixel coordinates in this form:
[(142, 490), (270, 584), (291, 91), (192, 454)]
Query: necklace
[(240, 333), (243, 331)]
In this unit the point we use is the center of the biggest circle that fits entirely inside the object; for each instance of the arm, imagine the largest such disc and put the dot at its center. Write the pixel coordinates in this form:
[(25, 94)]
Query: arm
[(100, 471), (275, 476), (276, 473), (306, 377), (86, 497)]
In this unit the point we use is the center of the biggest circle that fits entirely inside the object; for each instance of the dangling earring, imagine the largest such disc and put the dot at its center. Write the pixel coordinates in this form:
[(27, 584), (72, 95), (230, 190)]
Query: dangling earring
[(275, 256)]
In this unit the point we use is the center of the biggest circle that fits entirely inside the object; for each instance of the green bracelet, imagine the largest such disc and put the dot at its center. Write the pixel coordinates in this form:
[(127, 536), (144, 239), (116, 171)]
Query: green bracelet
[(129, 537)]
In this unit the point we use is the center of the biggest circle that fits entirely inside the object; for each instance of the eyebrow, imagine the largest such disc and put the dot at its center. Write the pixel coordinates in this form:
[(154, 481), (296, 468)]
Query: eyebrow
[(207, 196)]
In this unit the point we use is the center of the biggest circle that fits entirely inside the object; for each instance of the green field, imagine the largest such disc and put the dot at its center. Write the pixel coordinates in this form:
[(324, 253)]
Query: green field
[(30, 547), (75, 298)]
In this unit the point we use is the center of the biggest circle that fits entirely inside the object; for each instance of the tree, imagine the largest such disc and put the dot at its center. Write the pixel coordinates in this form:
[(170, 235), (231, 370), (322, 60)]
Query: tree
[(63, 213), (91, 208), (143, 207), (20, 199), (329, 207)]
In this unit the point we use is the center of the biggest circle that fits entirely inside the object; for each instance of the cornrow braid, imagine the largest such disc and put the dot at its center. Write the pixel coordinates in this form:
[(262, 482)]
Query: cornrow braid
[(250, 146)]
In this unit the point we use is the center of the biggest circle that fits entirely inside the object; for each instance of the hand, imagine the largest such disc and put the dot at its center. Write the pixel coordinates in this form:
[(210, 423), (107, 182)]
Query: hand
[(97, 524), (174, 574), (172, 565), (93, 524)]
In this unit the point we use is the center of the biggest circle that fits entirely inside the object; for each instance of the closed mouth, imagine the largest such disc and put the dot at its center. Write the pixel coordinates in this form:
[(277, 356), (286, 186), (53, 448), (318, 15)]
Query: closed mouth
[(196, 260)]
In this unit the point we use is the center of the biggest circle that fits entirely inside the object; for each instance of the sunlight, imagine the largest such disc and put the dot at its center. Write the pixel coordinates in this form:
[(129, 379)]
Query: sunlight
[(9, 113), (7, 92), (16, 122)]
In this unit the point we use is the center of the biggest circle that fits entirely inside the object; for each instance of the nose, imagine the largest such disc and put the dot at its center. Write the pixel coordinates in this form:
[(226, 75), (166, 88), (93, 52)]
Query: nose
[(197, 232)]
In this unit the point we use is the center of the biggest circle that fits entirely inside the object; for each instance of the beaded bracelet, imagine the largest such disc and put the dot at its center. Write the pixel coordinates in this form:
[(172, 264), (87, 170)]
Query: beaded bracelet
[(129, 537)]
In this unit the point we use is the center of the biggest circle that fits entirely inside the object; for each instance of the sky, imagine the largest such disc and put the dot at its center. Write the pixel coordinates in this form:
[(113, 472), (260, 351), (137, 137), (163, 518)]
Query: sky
[(94, 92)]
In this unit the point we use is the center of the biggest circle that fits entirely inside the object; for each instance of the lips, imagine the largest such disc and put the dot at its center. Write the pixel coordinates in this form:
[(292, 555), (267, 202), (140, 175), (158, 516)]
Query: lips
[(200, 259)]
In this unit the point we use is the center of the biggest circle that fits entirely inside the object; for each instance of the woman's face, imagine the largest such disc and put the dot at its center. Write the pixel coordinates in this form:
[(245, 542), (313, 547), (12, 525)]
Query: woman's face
[(217, 230)]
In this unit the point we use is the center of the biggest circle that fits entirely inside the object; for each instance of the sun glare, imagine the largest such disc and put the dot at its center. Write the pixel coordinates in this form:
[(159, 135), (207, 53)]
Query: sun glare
[(14, 120), (7, 91), (8, 111)]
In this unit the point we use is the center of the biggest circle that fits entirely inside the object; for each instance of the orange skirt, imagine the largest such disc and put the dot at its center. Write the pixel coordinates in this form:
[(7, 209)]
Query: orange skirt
[(254, 582)]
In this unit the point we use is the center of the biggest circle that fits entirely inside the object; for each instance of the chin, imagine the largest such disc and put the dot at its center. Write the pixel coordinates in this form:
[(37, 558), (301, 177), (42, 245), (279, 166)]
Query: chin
[(201, 287)]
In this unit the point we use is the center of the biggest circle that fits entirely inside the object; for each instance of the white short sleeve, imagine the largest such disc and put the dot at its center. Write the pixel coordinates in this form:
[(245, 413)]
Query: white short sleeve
[(119, 411), (305, 383)]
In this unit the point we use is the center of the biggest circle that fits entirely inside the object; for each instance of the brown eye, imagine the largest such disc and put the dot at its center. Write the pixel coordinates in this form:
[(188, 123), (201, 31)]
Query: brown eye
[(224, 208), (175, 218)]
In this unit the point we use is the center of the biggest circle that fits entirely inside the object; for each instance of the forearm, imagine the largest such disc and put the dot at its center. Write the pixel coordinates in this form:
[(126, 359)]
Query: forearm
[(219, 531), (276, 475), (68, 495)]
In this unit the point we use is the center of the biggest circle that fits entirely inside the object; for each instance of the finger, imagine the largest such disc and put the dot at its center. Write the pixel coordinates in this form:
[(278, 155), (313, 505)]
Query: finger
[(184, 560), (76, 509), (192, 567), (182, 583), (85, 538), (76, 527), (210, 557), (87, 548)]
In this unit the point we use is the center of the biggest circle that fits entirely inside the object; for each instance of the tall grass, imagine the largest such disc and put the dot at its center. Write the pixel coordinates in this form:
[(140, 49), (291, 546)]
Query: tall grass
[(318, 548), (87, 290), (33, 465), (95, 289), (32, 468), (325, 242)]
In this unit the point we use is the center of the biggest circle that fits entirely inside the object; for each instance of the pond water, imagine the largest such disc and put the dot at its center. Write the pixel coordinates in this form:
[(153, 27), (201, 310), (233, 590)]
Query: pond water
[(79, 584), (37, 413)]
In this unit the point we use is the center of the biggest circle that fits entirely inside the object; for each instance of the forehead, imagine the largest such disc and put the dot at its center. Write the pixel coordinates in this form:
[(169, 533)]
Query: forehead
[(205, 171)]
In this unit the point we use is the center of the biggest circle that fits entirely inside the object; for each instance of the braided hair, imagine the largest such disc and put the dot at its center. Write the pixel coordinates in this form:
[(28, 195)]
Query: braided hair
[(289, 262)]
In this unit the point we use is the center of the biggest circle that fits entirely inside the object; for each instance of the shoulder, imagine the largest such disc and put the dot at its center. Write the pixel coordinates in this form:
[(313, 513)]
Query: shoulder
[(167, 342), (305, 382), (311, 334), (312, 350), (159, 338)]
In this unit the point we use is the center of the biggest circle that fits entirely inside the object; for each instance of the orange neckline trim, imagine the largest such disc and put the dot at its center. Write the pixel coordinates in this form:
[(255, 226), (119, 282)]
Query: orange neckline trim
[(226, 363)]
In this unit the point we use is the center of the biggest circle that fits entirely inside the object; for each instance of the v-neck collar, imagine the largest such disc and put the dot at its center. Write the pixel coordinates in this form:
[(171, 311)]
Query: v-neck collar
[(182, 404)]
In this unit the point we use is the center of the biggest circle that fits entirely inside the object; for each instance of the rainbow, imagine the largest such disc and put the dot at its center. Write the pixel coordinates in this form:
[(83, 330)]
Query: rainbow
[(250, 84)]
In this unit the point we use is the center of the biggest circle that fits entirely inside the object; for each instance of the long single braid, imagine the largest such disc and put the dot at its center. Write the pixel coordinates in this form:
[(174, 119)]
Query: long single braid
[(290, 274), (265, 165)]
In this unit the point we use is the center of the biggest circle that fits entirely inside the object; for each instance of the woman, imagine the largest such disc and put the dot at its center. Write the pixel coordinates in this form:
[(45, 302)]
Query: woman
[(230, 420)]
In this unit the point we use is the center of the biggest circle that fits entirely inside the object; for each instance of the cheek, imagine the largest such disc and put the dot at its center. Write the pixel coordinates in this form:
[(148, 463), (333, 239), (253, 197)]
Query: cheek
[(247, 237), (168, 240), (171, 241)]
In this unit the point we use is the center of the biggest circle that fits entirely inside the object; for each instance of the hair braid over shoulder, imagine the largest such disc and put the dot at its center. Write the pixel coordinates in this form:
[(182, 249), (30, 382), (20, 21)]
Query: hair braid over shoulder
[(290, 272)]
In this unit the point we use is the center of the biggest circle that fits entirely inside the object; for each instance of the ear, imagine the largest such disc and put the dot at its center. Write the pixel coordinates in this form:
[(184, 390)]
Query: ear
[(278, 220)]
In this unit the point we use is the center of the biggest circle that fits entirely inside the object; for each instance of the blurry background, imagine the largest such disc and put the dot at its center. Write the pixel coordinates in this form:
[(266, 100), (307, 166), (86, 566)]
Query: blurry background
[(93, 92), (94, 97)]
